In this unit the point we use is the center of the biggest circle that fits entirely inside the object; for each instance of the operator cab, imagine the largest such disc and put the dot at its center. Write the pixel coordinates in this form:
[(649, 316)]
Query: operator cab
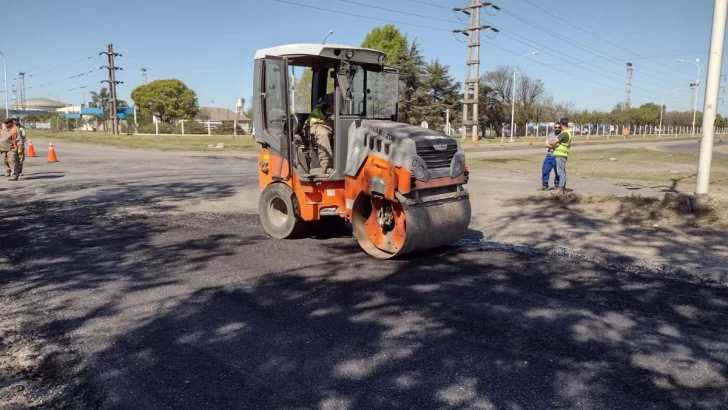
[(291, 81)]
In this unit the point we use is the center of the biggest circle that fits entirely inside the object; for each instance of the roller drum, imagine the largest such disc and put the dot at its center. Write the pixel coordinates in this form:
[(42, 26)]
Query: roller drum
[(432, 226), (426, 226)]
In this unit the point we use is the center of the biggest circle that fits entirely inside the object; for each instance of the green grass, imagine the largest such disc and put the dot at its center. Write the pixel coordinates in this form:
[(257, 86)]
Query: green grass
[(154, 142), (523, 143), (637, 164)]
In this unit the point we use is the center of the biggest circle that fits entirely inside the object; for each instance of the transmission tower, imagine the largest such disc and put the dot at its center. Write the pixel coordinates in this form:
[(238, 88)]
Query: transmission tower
[(144, 76), (112, 86), (628, 97), (21, 86), (472, 63)]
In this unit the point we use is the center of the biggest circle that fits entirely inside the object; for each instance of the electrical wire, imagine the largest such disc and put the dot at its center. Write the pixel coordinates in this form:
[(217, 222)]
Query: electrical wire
[(591, 34), (42, 72), (432, 28), (502, 30), (361, 16), (591, 50)]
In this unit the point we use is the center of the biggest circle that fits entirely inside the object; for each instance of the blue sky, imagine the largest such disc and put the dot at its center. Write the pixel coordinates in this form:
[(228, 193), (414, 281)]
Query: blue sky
[(210, 45)]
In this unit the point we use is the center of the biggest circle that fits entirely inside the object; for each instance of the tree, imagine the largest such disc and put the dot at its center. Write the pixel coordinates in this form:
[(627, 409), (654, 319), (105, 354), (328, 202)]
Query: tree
[(528, 93), (388, 39), (412, 65), (491, 110), (170, 99), (437, 92), (407, 57), (500, 80)]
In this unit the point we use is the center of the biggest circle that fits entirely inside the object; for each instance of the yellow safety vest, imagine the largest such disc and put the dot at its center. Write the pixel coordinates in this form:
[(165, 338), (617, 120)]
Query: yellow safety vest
[(562, 150)]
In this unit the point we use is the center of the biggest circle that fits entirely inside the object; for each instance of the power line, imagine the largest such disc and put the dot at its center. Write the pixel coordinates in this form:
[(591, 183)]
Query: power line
[(430, 4), (541, 63), (589, 33), (502, 30), (563, 38), (58, 67), (591, 50), (441, 29), (362, 16)]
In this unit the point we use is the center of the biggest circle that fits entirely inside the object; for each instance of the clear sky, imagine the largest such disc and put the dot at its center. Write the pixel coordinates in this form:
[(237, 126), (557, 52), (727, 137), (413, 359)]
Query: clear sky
[(210, 44)]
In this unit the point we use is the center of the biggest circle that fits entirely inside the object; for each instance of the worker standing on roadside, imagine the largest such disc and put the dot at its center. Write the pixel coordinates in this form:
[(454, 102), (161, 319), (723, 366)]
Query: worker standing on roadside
[(561, 146), (549, 162), (23, 134), (9, 149)]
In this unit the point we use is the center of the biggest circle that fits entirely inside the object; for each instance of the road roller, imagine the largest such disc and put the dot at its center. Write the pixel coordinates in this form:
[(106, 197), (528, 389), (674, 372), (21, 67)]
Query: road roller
[(400, 186)]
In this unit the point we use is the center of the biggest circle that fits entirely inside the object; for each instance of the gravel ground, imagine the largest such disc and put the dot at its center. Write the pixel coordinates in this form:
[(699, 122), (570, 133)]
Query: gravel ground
[(142, 280)]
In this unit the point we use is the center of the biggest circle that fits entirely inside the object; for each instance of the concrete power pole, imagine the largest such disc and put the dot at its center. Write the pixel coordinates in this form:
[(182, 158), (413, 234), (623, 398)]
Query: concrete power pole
[(628, 96), (472, 64), (21, 86), (112, 87), (712, 87)]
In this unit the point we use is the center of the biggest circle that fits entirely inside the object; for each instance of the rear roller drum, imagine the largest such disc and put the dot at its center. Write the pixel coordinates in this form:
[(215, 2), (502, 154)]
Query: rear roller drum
[(384, 229), (279, 212)]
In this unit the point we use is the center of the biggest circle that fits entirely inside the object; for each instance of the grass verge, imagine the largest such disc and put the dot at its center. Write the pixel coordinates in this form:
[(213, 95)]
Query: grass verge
[(523, 143), (636, 164), (679, 211), (155, 142)]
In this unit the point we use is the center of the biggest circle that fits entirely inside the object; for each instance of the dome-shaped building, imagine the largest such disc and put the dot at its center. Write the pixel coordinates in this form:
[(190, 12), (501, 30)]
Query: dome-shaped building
[(39, 104)]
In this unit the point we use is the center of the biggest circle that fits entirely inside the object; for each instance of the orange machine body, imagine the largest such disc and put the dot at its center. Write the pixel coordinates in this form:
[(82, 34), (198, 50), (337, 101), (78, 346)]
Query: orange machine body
[(315, 196)]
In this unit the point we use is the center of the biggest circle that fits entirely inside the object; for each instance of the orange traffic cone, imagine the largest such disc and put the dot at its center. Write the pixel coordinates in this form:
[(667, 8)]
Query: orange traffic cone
[(31, 150), (587, 139), (52, 154), (607, 137)]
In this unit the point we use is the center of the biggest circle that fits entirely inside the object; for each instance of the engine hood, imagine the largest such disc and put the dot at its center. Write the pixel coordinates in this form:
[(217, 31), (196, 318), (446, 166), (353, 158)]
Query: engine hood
[(422, 137)]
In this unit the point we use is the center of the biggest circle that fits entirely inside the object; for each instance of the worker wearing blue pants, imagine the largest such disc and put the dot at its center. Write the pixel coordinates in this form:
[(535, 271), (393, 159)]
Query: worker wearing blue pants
[(549, 163)]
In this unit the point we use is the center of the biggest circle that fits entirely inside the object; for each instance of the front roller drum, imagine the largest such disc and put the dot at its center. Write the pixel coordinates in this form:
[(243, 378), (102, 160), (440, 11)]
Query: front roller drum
[(385, 229)]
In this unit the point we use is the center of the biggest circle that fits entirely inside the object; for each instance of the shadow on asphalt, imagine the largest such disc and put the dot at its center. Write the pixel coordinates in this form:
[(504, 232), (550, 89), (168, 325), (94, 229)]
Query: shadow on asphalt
[(314, 323)]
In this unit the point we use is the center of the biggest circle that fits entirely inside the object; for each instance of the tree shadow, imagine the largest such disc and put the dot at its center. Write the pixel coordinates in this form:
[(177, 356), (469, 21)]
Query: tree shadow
[(188, 311), (446, 331)]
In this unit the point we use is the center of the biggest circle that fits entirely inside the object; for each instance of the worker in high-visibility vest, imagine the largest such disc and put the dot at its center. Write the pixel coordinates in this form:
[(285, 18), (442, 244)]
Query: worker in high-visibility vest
[(321, 127), (562, 146)]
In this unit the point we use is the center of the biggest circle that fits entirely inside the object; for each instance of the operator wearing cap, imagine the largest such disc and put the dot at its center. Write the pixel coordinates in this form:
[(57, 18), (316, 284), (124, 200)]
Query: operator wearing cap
[(321, 126), (9, 147)]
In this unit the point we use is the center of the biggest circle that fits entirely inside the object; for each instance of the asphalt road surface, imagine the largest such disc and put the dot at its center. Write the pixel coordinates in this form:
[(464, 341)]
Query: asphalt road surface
[(151, 272)]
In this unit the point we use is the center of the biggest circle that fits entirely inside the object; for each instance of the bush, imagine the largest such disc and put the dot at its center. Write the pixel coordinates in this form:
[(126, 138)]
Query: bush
[(227, 127), (191, 127), (164, 128)]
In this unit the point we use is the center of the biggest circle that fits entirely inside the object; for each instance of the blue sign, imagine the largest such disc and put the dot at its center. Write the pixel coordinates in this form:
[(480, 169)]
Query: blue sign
[(91, 111), (73, 115)]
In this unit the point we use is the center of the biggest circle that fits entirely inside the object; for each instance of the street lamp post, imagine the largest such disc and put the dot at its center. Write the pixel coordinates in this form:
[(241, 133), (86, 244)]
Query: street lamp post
[(697, 85), (5, 78), (513, 93), (662, 108)]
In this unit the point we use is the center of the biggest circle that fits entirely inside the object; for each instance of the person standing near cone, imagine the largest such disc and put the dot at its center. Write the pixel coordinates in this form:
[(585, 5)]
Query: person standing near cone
[(23, 134), (9, 149)]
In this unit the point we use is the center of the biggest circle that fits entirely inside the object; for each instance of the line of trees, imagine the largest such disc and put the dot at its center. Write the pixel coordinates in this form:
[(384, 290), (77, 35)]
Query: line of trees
[(430, 90)]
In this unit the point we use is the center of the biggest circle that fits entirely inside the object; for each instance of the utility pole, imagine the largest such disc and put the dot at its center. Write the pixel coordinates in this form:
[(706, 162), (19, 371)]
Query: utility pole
[(693, 97), (112, 87), (144, 76), (712, 87), (628, 96), (694, 87), (447, 123), (472, 63), (21, 79)]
